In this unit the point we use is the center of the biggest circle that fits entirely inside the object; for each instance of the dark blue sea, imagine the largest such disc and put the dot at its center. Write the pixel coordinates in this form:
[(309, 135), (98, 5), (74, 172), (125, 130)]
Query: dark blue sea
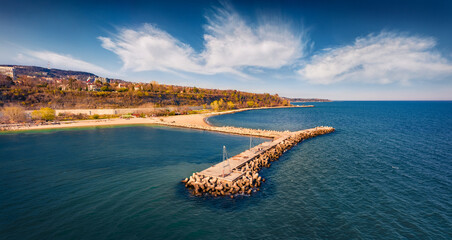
[(386, 173)]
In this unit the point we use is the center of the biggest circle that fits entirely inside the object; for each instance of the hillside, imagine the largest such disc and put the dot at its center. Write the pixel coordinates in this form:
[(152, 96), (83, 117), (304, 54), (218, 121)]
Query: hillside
[(36, 87), (46, 72)]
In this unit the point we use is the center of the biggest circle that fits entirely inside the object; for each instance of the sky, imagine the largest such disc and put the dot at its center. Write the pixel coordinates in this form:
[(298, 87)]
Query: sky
[(340, 50)]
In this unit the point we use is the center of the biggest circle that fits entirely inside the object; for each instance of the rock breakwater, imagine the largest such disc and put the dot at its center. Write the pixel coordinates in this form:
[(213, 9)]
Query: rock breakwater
[(244, 177), (228, 129)]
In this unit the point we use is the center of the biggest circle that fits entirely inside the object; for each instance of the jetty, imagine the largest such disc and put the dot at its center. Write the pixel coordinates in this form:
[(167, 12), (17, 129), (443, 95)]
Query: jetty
[(239, 174), (229, 130)]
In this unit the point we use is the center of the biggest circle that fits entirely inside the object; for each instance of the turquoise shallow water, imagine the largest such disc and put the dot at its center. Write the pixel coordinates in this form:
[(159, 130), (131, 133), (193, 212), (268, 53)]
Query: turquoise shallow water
[(384, 174)]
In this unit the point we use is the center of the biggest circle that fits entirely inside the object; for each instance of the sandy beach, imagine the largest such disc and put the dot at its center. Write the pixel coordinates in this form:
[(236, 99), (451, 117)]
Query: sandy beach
[(194, 121)]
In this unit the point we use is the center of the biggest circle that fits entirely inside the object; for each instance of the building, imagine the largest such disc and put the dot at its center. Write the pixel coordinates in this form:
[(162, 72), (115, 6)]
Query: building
[(93, 87), (65, 87), (102, 79), (8, 71)]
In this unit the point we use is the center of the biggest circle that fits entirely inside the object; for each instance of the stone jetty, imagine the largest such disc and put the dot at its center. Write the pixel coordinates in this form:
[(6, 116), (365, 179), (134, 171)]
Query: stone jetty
[(240, 174), (230, 130)]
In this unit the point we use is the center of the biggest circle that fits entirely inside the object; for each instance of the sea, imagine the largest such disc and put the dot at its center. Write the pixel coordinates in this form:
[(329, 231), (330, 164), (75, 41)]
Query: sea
[(385, 173)]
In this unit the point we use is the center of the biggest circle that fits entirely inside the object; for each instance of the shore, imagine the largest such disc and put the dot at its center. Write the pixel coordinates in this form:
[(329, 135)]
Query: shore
[(194, 121)]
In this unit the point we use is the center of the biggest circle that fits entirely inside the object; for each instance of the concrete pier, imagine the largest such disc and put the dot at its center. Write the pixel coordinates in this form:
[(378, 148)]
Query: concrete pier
[(239, 174), (240, 160)]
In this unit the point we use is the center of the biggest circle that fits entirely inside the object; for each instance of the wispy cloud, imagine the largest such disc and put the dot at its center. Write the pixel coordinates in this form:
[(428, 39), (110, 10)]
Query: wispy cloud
[(230, 46), (230, 43), (57, 60), (150, 48), (383, 58)]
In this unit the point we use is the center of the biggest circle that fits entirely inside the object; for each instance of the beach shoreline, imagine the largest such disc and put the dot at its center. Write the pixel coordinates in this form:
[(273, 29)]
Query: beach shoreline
[(192, 121)]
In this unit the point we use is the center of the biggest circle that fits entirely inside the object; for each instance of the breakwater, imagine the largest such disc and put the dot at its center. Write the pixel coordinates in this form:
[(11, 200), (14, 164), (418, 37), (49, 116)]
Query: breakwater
[(230, 130), (240, 174)]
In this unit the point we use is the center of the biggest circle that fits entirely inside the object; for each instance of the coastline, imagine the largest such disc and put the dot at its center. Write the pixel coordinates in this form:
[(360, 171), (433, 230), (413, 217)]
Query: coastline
[(193, 121)]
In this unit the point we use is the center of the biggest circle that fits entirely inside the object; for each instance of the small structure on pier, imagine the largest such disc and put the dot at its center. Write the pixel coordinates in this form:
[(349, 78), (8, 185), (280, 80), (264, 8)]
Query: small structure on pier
[(226, 163)]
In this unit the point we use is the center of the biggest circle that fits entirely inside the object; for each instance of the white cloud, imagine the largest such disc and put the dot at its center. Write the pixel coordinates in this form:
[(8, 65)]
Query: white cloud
[(230, 45), (150, 48), (383, 58), (58, 61)]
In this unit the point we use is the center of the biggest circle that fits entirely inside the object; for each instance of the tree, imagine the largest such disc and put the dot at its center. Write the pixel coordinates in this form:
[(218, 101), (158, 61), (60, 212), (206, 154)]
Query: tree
[(231, 105), (250, 104), (221, 104), (36, 115), (46, 113), (105, 89), (6, 81), (215, 106), (14, 114)]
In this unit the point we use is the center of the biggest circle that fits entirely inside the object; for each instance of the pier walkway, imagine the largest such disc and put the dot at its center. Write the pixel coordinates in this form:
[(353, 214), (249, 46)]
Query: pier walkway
[(227, 171)]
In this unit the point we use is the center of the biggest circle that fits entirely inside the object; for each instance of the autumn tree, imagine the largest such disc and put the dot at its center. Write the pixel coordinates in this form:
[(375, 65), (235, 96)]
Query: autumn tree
[(215, 106), (106, 88), (46, 113), (222, 104), (14, 113), (231, 105)]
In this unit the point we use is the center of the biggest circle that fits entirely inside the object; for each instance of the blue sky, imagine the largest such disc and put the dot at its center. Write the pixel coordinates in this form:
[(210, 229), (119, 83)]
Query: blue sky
[(341, 50)]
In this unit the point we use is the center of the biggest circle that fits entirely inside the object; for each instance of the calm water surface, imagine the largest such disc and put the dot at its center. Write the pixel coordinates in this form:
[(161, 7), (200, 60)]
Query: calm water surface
[(386, 173)]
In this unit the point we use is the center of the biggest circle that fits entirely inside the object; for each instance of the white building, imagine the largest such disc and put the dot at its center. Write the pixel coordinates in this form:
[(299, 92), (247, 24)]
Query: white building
[(8, 71), (93, 87)]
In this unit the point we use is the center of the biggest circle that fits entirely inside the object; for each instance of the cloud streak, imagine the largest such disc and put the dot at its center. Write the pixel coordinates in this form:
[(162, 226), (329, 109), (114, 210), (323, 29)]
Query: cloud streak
[(384, 58), (230, 46), (150, 48)]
